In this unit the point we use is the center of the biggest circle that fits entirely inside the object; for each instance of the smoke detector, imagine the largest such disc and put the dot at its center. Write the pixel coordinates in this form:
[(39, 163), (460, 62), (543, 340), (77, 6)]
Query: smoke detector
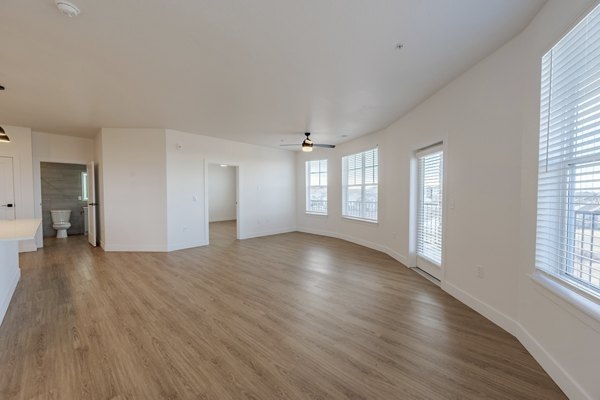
[(66, 8)]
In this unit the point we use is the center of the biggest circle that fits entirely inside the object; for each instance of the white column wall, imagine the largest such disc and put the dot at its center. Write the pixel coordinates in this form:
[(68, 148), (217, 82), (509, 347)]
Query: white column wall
[(133, 195)]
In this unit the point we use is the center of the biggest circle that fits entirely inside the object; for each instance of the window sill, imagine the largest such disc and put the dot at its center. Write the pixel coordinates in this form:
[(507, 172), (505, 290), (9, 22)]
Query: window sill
[(315, 213), (369, 221), (581, 302)]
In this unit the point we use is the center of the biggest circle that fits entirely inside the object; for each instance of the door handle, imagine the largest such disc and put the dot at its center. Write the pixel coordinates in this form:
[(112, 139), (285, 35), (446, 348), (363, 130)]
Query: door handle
[(9, 205)]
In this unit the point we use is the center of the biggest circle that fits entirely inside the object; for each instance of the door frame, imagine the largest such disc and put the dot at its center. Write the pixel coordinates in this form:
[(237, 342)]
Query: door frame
[(414, 201), (14, 194), (92, 202), (37, 188), (238, 213)]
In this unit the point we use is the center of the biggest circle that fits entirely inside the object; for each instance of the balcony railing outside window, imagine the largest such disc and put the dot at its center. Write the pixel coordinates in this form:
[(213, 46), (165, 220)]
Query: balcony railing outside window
[(584, 249), (359, 209), (318, 206)]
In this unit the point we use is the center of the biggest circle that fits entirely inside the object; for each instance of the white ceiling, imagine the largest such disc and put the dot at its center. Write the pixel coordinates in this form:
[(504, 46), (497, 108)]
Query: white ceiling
[(260, 71)]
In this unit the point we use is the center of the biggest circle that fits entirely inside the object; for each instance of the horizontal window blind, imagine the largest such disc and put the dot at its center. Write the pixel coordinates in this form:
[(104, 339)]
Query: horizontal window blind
[(568, 210), (429, 223), (360, 185), (316, 186)]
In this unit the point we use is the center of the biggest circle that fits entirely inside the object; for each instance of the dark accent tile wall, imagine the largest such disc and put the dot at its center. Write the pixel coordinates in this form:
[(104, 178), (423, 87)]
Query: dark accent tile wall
[(61, 190)]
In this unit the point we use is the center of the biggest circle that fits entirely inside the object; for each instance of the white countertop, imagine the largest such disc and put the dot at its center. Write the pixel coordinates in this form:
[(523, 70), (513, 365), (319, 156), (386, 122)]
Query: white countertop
[(19, 229)]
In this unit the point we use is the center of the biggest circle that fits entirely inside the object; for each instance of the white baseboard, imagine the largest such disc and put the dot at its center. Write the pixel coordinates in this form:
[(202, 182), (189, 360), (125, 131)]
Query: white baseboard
[(134, 247), (6, 300), (562, 378), (402, 259), (186, 245), (266, 233), (384, 249), (493, 314)]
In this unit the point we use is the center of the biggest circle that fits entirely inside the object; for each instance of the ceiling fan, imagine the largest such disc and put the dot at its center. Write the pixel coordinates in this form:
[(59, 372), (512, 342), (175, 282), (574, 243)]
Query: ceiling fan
[(308, 144)]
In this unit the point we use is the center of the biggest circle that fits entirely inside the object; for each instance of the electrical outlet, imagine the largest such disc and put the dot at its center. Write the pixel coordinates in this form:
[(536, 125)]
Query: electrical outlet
[(480, 271)]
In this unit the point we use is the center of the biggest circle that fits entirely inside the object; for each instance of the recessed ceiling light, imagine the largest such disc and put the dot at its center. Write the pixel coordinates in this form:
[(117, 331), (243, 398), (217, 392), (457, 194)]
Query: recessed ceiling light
[(68, 9), (1, 87), (224, 165)]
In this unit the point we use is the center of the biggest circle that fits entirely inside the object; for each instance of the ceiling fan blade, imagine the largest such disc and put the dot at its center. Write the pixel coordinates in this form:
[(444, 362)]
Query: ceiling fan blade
[(329, 146), (289, 144)]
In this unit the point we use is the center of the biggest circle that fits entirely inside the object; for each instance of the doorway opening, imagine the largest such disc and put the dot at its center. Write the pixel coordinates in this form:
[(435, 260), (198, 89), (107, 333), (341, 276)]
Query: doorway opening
[(64, 195), (222, 198)]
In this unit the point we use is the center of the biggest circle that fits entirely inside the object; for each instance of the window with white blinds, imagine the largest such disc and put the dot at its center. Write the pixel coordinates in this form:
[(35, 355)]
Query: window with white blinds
[(429, 215), (360, 182), (316, 186), (568, 210)]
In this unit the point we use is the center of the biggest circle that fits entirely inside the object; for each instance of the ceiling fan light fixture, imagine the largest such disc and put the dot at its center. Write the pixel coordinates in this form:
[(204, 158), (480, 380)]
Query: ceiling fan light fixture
[(3, 136), (307, 144)]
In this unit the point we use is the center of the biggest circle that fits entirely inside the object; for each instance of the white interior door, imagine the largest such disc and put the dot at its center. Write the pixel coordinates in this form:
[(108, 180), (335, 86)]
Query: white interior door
[(430, 164), (92, 205), (7, 189)]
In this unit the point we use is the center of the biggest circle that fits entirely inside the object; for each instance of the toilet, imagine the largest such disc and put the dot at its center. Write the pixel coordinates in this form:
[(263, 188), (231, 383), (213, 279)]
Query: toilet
[(60, 222)]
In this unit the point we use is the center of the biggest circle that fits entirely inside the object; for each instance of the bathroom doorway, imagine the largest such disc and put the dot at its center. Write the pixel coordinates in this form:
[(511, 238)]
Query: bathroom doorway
[(222, 197), (64, 195)]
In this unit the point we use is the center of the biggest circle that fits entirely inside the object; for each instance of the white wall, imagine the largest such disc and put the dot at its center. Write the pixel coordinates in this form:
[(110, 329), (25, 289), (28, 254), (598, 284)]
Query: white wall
[(19, 148), (266, 187), (48, 147), (555, 330), (152, 185), (489, 121), (221, 193), (133, 195)]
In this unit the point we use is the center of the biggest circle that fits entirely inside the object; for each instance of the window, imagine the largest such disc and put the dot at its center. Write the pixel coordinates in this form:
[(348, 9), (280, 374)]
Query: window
[(84, 187), (360, 179), (316, 186), (568, 217), (430, 164)]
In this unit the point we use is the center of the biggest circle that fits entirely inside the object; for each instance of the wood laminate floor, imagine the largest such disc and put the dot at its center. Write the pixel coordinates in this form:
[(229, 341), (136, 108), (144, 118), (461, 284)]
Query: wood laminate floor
[(291, 316)]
